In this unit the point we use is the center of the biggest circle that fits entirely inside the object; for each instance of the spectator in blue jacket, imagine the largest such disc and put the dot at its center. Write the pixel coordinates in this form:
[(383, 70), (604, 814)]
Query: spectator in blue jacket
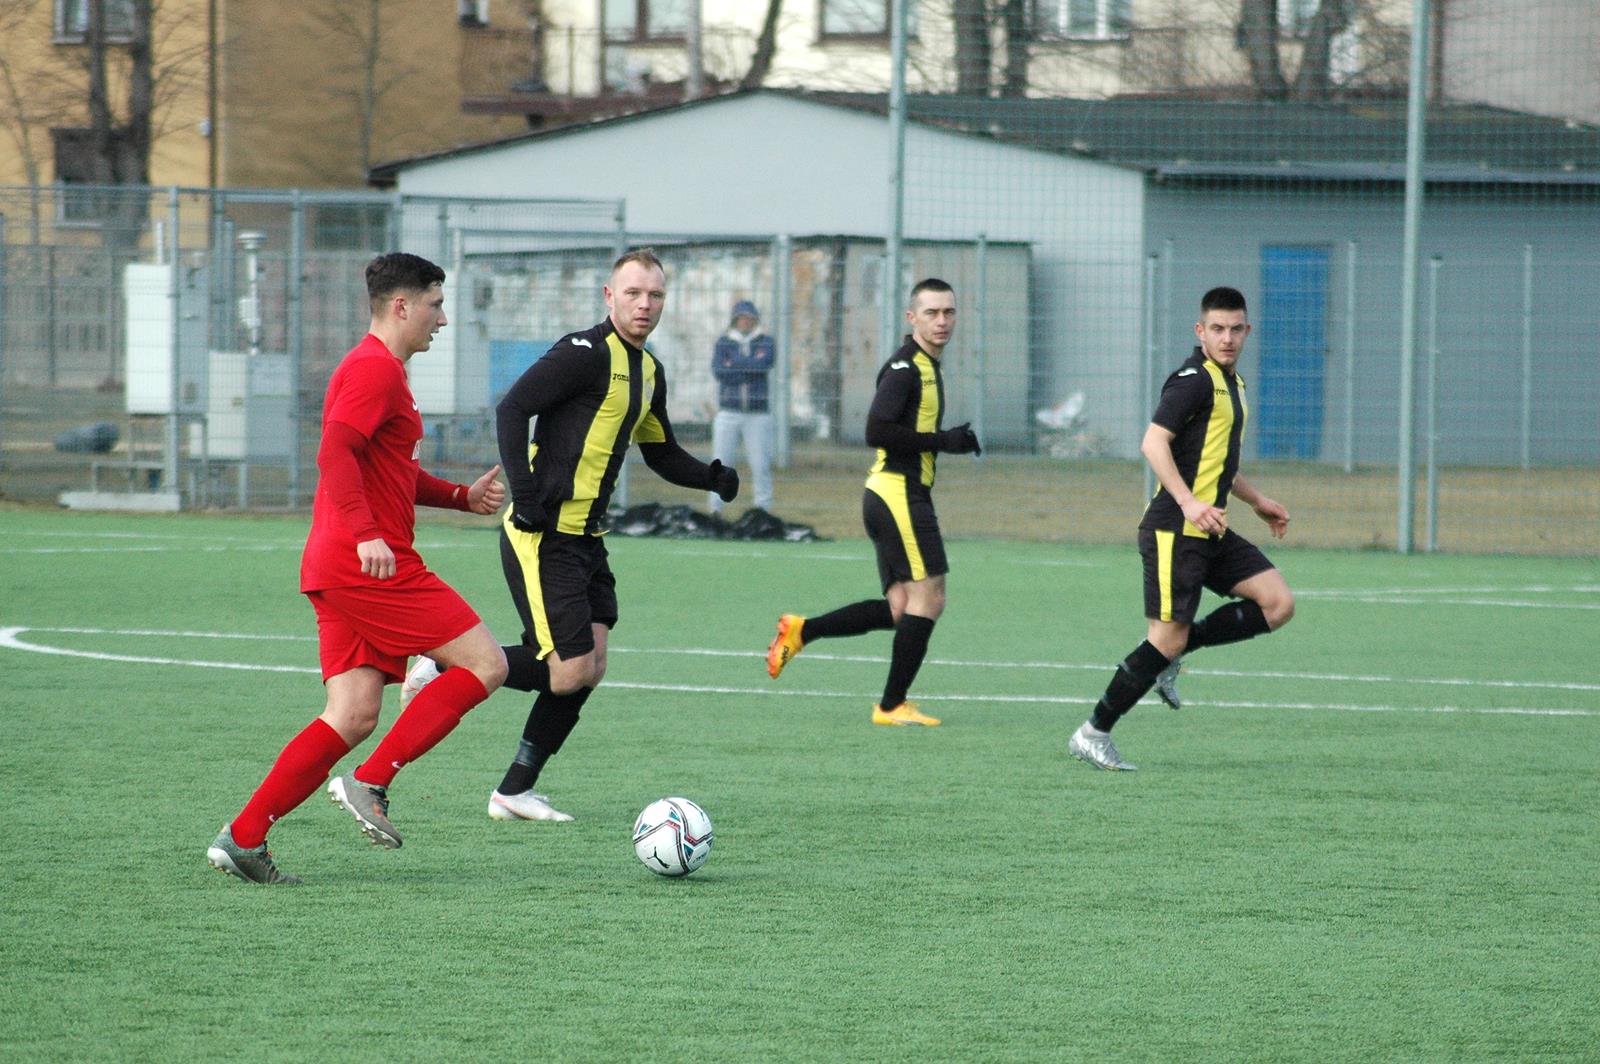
[(741, 361)]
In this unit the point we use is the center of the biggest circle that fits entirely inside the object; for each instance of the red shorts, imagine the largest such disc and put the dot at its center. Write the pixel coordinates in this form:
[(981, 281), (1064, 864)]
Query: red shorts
[(381, 625)]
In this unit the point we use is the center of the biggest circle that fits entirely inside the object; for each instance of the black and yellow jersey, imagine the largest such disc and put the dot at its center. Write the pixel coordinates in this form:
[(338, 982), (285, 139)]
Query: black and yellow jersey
[(904, 417), (1203, 405), (593, 393)]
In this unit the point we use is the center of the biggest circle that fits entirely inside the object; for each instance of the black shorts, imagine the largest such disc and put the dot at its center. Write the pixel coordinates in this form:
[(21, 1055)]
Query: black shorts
[(903, 528), (1177, 566), (561, 584)]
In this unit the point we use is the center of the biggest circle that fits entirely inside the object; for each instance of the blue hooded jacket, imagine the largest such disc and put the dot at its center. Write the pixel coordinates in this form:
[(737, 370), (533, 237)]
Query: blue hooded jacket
[(740, 365)]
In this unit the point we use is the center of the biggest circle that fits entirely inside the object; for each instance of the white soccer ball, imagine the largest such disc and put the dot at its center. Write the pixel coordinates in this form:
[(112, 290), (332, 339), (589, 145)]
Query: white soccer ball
[(672, 836)]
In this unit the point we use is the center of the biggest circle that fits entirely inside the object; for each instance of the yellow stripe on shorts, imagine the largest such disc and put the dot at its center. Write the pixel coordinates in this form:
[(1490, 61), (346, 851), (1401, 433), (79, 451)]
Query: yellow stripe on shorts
[(895, 498), (526, 547), (1164, 571)]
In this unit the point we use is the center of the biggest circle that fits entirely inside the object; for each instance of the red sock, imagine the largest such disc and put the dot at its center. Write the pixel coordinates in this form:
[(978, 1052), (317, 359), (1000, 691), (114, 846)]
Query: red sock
[(431, 716), (299, 770)]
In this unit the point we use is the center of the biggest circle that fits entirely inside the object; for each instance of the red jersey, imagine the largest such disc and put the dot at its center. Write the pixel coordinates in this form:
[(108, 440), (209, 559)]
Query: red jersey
[(369, 393)]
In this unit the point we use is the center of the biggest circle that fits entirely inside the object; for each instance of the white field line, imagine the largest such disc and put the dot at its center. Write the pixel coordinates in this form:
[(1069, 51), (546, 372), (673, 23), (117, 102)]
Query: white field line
[(10, 638)]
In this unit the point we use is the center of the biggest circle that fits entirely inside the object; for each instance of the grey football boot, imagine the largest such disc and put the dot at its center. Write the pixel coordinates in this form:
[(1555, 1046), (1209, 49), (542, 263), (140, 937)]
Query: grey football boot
[(254, 865), (1167, 683), (1096, 747), (369, 805)]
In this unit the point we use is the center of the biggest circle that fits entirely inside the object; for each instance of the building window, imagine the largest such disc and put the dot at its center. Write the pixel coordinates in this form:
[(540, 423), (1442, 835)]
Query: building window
[(643, 20), (1295, 16), (1093, 20), (75, 167), (72, 19), (854, 18), (473, 12), (862, 18)]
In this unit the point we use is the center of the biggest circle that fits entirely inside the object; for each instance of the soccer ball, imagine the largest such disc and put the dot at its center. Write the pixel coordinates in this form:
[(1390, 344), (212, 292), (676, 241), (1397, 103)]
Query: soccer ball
[(672, 836)]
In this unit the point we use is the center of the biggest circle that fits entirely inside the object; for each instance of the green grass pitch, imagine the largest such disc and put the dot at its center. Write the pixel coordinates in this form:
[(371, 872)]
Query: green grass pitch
[(1371, 836)]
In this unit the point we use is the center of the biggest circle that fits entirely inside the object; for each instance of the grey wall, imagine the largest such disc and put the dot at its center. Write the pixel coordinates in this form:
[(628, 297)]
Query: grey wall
[(762, 163), (1217, 236)]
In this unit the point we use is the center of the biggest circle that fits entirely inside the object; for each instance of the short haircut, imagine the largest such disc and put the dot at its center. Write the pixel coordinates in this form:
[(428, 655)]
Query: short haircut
[(928, 284), (1222, 298), (399, 272), (643, 256)]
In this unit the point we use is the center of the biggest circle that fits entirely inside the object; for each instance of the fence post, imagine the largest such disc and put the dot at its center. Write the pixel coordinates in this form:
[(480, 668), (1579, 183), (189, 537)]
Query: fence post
[(1432, 402), (781, 302), (1527, 355), (50, 314), (296, 337), (1152, 266), (1416, 151), (2, 331), (982, 365), (174, 391), (890, 323), (1350, 358)]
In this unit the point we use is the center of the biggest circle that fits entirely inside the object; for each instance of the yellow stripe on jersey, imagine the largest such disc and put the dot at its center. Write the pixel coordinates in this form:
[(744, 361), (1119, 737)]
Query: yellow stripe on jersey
[(1214, 452), (891, 488), (648, 428), (526, 547), (1164, 543), (927, 419), (612, 423), (927, 411)]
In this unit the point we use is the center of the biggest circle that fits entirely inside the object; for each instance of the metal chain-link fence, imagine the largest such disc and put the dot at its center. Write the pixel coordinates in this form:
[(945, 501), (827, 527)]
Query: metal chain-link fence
[(170, 347)]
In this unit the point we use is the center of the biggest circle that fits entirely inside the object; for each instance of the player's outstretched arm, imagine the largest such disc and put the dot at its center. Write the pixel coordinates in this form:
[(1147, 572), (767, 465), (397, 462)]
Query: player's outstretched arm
[(1269, 510)]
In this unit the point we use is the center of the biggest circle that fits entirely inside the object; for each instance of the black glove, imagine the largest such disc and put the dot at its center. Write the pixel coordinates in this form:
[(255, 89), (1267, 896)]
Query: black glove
[(960, 440), (526, 519), (723, 480)]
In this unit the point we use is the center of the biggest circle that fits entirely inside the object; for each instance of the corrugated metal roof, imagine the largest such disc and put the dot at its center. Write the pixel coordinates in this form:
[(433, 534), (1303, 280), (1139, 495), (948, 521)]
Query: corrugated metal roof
[(1209, 139), (1262, 137)]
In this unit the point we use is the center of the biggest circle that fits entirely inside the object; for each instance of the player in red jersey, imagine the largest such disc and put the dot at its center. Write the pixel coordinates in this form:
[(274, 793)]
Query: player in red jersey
[(375, 600)]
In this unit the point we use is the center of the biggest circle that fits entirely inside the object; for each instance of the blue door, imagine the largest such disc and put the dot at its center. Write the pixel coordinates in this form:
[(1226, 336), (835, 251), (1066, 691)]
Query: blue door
[(1291, 343)]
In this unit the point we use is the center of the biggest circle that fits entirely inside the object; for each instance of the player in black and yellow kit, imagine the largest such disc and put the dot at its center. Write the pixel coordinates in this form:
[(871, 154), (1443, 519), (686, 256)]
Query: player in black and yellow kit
[(897, 508), (593, 393), (1192, 444)]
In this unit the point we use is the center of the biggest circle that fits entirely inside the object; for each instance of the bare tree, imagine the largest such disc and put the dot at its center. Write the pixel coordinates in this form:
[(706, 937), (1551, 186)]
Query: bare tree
[(356, 87), (974, 23), (766, 48), (1014, 17), (27, 103), (1258, 26), (119, 145), (974, 47), (1313, 80)]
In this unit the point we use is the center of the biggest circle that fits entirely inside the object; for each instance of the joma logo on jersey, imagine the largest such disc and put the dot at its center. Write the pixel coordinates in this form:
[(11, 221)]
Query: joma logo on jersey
[(619, 377)]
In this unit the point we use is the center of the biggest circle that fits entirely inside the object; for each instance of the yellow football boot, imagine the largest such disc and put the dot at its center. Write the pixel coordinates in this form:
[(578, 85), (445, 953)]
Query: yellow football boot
[(903, 714), (786, 644)]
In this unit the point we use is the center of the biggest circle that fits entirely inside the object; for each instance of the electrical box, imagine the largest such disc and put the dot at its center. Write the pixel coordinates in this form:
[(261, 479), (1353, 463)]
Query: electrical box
[(249, 408), (157, 344)]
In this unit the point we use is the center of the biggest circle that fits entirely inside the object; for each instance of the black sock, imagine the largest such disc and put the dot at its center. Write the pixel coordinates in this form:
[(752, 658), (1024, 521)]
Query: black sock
[(1231, 622), (549, 723), (910, 645), (1134, 676), (869, 615), (525, 670)]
